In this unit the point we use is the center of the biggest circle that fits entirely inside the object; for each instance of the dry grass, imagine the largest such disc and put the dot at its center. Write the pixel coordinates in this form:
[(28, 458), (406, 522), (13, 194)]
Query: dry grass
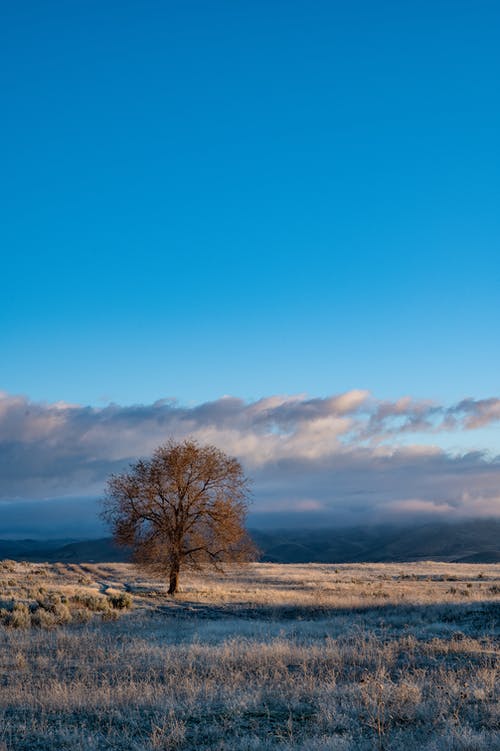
[(50, 596), (309, 657)]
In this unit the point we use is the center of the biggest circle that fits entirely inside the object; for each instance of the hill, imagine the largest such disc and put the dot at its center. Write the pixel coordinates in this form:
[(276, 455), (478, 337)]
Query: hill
[(471, 541), (65, 551), (475, 541)]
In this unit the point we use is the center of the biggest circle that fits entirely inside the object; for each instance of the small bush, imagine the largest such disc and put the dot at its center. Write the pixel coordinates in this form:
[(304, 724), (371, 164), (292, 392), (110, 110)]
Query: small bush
[(43, 619), (94, 602), (19, 617), (81, 615), (119, 600), (8, 565)]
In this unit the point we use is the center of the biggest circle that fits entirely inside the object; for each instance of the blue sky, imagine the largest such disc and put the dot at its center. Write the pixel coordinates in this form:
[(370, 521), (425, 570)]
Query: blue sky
[(251, 198)]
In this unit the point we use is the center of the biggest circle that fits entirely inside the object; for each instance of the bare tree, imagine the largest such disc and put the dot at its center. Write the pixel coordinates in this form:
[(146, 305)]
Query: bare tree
[(183, 508)]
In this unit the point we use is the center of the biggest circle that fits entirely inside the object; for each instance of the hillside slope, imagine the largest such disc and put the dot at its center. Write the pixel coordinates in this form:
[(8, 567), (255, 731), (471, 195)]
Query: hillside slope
[(467, 542)]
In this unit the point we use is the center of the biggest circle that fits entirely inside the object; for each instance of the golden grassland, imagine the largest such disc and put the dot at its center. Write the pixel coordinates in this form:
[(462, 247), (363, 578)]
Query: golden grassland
[(313, 657)]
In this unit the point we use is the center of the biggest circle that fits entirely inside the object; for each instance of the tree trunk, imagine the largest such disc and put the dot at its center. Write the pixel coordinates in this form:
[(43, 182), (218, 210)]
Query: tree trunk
[(174, 579)]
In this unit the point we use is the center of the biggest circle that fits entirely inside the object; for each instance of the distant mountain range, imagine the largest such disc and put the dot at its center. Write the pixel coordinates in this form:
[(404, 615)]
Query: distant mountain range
[(66, 551), (475, 541)]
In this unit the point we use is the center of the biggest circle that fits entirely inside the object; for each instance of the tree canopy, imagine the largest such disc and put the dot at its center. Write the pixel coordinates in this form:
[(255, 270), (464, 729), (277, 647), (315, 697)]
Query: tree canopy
[(185, 507)]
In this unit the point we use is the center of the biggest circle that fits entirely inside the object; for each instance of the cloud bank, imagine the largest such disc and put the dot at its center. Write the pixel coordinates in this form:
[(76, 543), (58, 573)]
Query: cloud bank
[(348, 455)]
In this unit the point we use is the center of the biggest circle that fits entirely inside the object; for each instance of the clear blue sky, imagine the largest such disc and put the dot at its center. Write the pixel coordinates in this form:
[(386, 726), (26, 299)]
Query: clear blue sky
[(249, 198)]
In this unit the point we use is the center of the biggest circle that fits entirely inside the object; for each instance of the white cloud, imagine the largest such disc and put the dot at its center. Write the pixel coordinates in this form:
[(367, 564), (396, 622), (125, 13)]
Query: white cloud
[(343, 454), (418, 505)]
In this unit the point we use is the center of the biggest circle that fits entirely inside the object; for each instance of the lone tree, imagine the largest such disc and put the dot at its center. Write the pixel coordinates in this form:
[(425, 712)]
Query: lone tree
[(183, 508)]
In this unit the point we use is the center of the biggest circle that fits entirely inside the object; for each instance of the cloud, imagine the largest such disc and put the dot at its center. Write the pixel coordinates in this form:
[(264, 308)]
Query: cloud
[(418, 505), (477, 414), (346, 455)]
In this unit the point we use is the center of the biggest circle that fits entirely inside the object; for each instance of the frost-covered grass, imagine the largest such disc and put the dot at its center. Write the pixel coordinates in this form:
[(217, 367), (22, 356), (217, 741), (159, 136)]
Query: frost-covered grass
[(309, 657), (35, 596)]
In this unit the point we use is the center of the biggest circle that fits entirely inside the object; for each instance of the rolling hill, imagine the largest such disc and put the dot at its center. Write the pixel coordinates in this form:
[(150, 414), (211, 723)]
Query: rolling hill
[(475, 541)]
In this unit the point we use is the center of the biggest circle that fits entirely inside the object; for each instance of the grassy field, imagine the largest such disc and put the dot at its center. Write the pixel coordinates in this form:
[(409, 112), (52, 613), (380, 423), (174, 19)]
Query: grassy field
[(309, 657)]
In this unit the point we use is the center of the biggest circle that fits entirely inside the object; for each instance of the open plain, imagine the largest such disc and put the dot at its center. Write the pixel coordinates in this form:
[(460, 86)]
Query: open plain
[(311, 657)]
